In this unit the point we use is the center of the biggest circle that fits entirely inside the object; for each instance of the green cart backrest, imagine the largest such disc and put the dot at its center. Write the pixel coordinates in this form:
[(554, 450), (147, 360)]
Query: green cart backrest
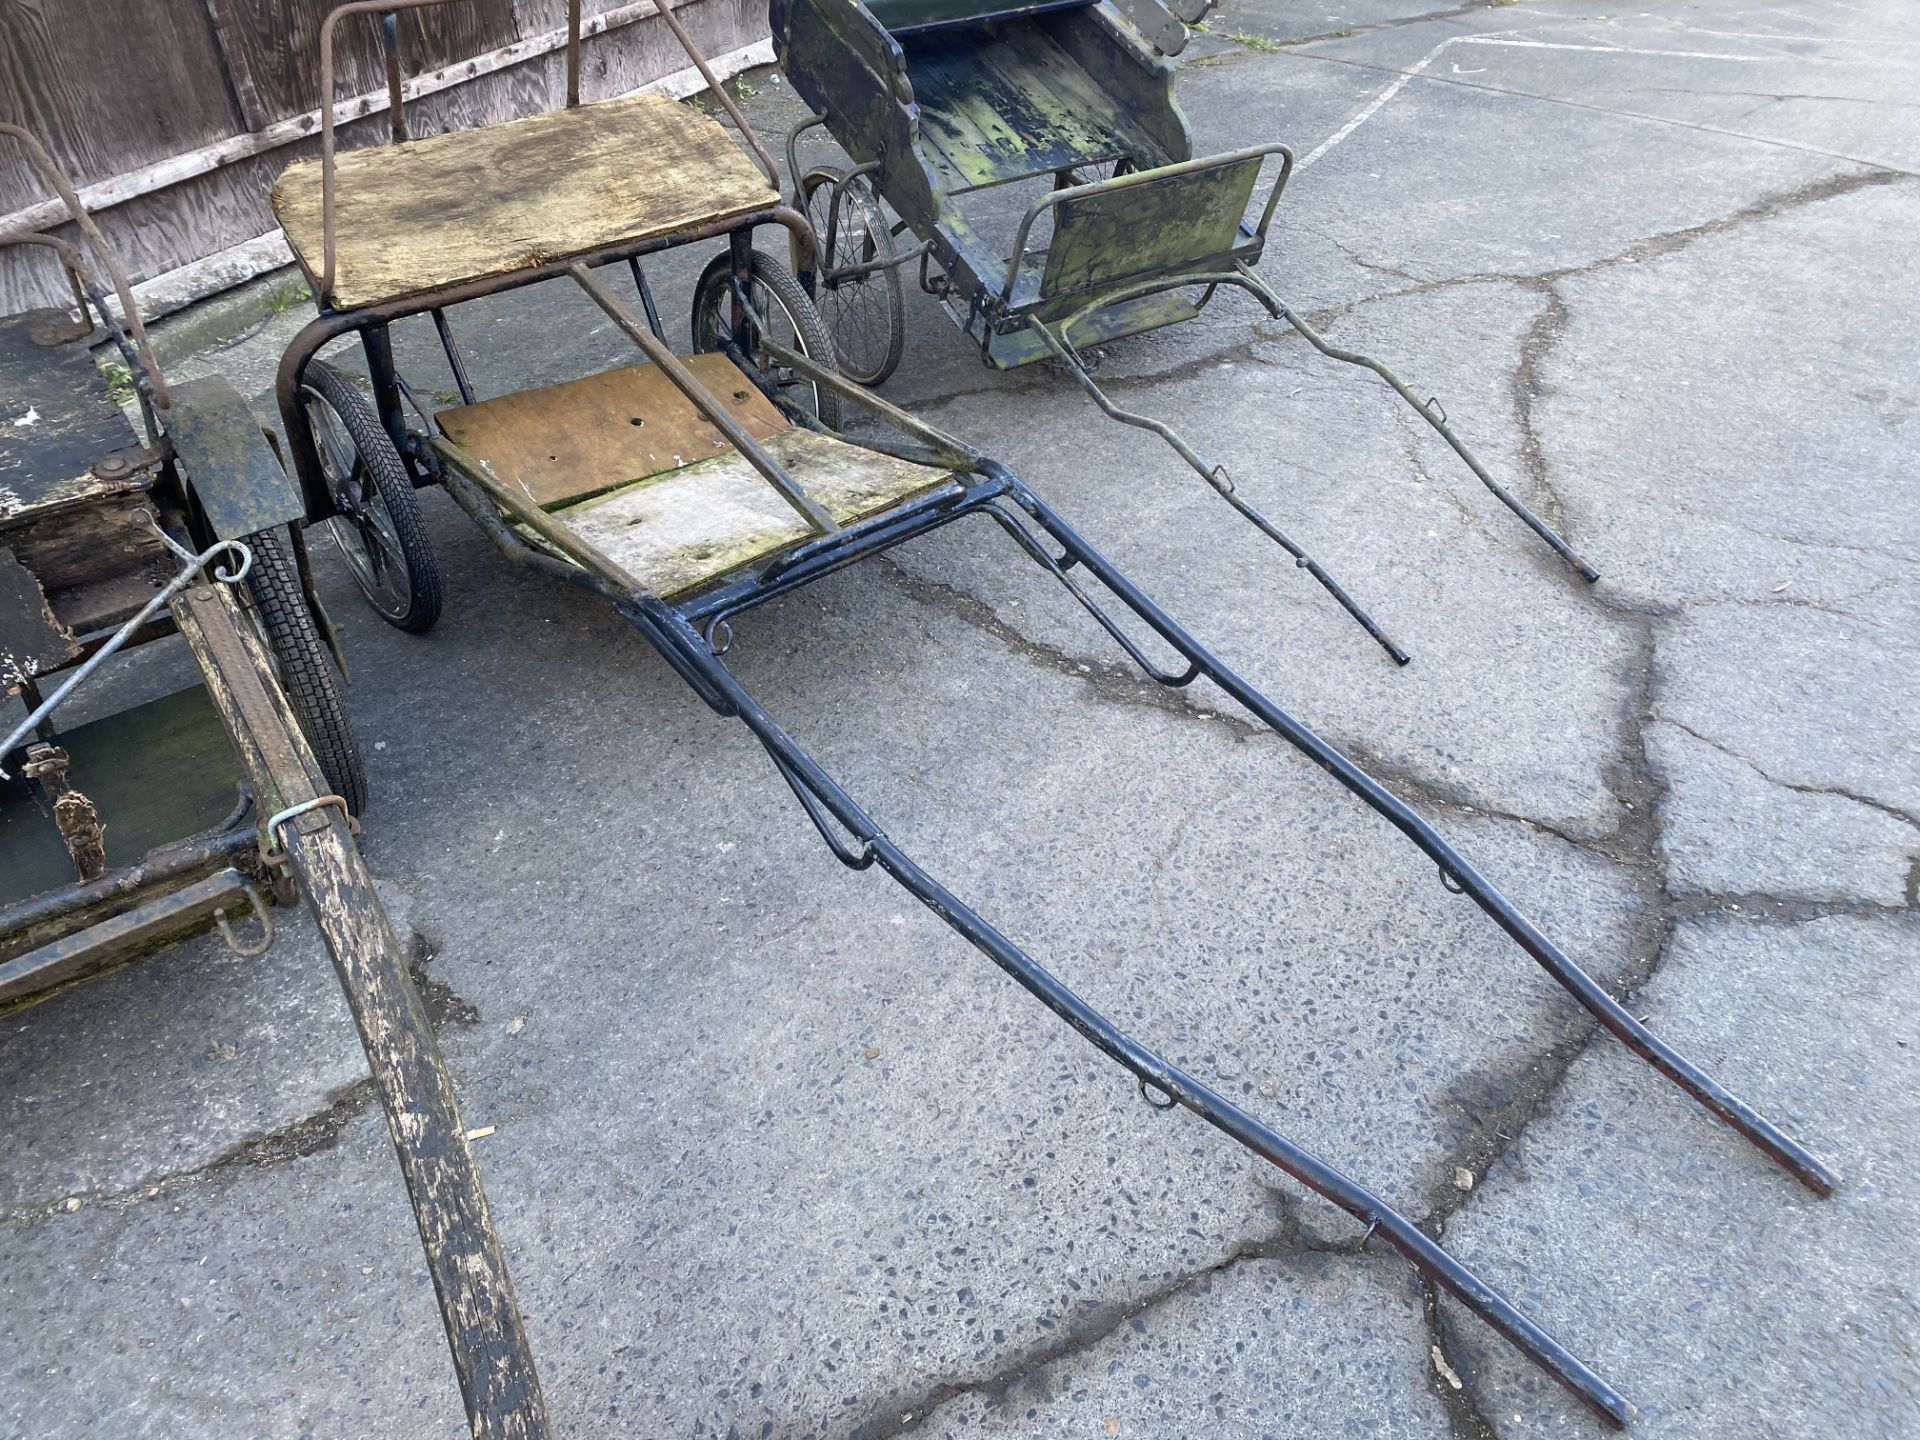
[(899, 17)]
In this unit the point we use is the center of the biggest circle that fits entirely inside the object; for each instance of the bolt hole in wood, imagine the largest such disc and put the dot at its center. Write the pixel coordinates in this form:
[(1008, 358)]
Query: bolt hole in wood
[(636, 420)]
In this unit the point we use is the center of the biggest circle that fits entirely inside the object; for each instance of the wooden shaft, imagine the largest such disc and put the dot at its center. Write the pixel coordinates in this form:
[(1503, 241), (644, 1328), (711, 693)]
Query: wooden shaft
[(396, 100), (573, 53), (484, 1331)]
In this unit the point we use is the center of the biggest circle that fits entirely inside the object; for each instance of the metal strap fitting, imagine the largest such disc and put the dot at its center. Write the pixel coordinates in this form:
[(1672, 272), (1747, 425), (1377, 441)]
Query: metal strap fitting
[(272, 852)]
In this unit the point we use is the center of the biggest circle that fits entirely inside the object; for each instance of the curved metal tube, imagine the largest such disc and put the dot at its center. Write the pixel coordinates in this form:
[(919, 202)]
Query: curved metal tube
[(103, 252), (1215, 475), (1799, 1162), (1427, 412), (670, 634)]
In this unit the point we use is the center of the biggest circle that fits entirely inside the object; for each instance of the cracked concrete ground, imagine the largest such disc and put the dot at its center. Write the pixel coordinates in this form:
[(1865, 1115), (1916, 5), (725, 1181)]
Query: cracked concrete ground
[(775, 1156)]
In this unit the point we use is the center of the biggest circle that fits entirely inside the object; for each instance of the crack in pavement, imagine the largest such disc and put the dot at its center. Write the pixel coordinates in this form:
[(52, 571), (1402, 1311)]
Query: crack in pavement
[(891, 1418), (1545, 331), (1632, 845), (1454, 12), (1831, 791), (1465, 1419), (316, 1131), (1120, 683), (1549, 327), (1648, 247)]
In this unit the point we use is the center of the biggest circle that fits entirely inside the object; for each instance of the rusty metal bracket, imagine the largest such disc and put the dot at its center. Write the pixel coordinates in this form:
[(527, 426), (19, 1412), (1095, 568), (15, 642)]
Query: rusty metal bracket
[(258, 947)]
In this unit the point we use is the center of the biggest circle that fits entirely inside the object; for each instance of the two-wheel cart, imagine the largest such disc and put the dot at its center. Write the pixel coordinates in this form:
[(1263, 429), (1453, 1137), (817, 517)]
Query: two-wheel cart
[(1070, 103), (122, 833), (687, 491)]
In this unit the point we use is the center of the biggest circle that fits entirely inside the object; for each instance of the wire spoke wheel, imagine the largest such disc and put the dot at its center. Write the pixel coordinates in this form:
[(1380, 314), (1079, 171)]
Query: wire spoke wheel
[(794, 323), (866, 314), (1098, 170), (378, 526)]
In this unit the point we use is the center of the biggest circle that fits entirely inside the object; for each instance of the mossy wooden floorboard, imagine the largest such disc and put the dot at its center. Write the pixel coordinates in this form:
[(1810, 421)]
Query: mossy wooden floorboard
[(682, 531)]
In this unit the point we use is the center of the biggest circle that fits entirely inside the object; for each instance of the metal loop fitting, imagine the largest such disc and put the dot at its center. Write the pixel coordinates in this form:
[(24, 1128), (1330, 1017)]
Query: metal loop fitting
[(236, 556), (264, 943), (272, 852), (1147, 1095)]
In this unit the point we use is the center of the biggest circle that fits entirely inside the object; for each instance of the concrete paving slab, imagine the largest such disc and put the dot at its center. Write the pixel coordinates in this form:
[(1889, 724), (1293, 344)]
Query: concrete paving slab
[(1810, 699), (1720, 1297), (1728, 830), (169, 1065), (1305, 1344)]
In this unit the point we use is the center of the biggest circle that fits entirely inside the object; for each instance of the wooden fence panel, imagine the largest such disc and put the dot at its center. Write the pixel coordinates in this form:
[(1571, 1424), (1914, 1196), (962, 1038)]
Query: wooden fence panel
[(107, 85), (273, 47), (113, 86)]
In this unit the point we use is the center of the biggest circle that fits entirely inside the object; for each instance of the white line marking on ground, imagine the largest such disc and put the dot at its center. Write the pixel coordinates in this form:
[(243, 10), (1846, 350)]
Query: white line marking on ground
[(1614, 49), (1372, 107)]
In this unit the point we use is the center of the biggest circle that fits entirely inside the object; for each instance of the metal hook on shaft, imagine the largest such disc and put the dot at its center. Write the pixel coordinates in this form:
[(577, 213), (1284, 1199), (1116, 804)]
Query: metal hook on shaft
[(1147, 1095), (264, 943)]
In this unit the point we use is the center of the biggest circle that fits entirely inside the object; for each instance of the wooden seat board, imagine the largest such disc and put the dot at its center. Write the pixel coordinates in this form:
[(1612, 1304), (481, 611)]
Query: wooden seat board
[(473, 204), (562, 443), (688, 529), (56, 420)]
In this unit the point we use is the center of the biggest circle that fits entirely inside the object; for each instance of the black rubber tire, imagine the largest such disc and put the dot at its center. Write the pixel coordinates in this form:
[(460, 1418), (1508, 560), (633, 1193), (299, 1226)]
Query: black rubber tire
[(711, 299), (418, 606), (852, 311), (304, 666)]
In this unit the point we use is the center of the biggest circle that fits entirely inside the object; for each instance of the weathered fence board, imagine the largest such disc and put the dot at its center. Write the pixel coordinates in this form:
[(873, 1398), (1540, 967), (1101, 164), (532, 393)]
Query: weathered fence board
[(175, 116)]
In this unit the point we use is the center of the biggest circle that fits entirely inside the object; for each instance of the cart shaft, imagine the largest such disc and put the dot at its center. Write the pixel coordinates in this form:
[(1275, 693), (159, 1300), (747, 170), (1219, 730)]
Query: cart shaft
[(491, 1355)]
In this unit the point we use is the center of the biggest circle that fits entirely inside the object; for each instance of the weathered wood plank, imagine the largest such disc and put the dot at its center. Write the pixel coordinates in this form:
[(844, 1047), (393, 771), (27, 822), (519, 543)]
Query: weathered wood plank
[(31, 639), (276, 45), (55, 420), (76, 548), (411, 218), (684, 530), (487, 1338), (106, 86), (566, 442)]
